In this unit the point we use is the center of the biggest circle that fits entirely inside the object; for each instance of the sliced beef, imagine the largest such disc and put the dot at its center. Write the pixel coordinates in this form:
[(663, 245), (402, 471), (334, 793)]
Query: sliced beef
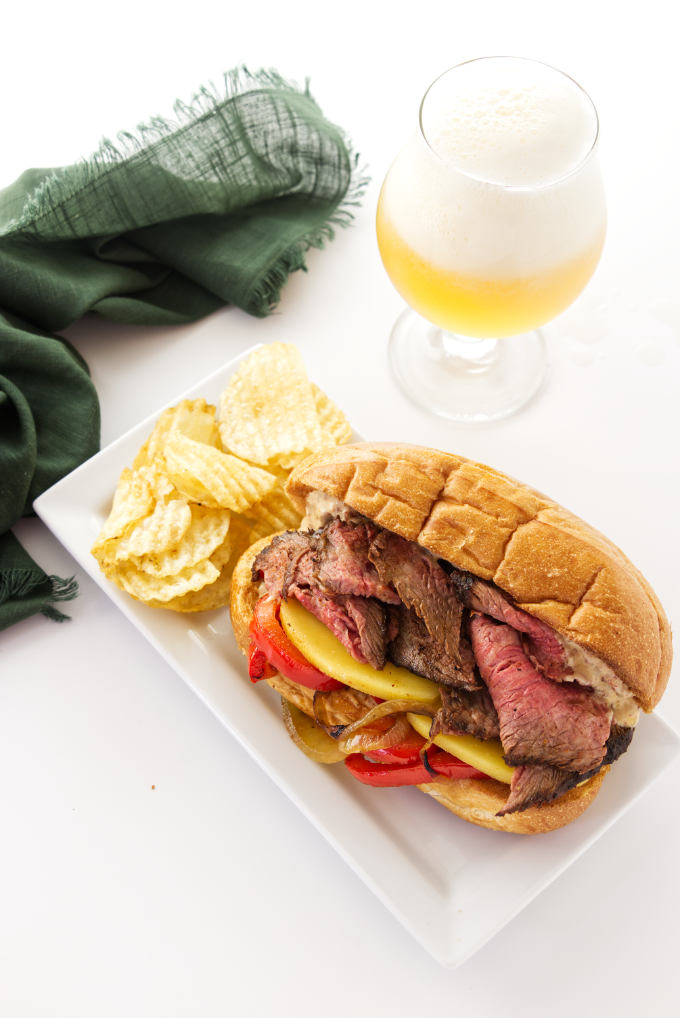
[(370, 618), (544, 644), (618, 742), (341, 551), (276, 564), (335, 558), (422, 585), (465, 712), (413, 647), (541, 721), (537, 784)]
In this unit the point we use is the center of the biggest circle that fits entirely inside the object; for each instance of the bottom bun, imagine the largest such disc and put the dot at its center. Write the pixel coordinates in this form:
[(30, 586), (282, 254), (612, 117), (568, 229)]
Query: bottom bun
[(476, 800)]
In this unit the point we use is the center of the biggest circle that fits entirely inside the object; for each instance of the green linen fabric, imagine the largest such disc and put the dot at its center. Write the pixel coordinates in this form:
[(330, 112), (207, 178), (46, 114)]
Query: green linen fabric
[(170, 223)]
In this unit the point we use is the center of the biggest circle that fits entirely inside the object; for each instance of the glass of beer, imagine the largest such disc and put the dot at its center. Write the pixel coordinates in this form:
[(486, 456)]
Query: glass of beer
[(490, 222)]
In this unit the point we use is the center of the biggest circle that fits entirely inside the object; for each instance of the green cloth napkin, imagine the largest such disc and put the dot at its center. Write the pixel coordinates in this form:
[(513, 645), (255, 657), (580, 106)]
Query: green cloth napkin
[(161, 228)]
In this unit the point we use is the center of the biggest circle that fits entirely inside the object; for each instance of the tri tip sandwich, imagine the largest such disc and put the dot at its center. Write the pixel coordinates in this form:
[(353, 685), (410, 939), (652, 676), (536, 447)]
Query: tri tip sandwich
[(434, 622)]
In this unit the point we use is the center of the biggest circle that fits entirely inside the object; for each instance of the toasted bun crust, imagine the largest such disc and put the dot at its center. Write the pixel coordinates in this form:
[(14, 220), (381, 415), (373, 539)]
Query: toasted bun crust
[(549, 561), (475, 800), (478, 801)]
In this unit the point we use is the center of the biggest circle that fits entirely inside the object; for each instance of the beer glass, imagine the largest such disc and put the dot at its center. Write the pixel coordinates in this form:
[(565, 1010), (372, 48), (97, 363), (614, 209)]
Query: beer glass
[(490, 222)]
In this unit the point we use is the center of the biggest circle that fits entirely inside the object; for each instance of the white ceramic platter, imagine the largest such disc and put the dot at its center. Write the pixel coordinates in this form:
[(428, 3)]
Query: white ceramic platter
[(452, 885)]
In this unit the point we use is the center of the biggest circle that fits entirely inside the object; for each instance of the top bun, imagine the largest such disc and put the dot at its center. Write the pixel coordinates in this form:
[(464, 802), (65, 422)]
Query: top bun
[(549, 561)]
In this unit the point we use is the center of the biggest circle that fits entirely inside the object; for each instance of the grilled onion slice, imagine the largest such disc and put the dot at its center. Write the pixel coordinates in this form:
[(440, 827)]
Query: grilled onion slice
[(308, 736)]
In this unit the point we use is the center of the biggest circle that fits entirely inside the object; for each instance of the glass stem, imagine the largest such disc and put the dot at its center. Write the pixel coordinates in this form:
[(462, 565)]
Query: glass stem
[(466, 352)]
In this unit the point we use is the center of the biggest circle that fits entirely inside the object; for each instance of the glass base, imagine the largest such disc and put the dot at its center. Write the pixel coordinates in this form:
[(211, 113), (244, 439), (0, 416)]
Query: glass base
[(464, 379)]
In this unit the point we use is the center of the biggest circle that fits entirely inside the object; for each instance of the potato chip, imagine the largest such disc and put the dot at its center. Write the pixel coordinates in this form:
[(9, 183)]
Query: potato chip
[(194, 418), (212, 595), (161, 531), (133, 499), (164, 588), (244, 531), (214, 478), (276, 511), (335, 427), (287, 461), (207, 532), (267, 413), (222, 555)]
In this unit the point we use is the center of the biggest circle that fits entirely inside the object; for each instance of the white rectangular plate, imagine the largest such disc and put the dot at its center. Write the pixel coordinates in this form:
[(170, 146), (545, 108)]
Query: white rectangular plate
[(452, 885)]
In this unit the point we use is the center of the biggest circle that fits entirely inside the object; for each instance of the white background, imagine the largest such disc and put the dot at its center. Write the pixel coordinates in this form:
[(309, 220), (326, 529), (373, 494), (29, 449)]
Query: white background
[(209, 894)]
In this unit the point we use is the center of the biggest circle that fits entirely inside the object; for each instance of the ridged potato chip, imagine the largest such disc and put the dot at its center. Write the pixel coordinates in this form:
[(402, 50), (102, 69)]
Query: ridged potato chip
[(276, 511), (213, 595), (267, 413), (133, 499), (161, 531), (206, 533), (164, 588), (244, 531), (194, 418), (335, 427), (212, 477)]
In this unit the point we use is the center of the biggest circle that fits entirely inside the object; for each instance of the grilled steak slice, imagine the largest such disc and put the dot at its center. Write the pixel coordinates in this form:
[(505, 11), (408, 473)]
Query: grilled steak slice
[(617, 743), (544, 644), (341, 551), (335, 558), (370, 618), (536, 784), (414, 648), (465, 712), (422, 585), (276, 563), (541, 721)]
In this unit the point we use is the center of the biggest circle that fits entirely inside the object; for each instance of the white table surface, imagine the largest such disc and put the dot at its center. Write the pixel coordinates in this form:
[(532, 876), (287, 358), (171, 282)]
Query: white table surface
[(147, 866)]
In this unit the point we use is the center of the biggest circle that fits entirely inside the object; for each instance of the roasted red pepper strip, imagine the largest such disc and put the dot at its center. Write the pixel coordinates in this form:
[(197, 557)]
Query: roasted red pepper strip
[(414, 772), (382, 775), (450, 766), (268, 636), (258, 666)]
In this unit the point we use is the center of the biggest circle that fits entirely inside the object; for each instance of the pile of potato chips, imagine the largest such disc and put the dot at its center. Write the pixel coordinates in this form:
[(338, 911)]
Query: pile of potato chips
[(209, 481)]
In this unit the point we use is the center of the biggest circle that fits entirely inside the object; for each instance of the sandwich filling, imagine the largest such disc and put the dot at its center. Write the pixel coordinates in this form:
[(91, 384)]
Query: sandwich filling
[(501, 672)]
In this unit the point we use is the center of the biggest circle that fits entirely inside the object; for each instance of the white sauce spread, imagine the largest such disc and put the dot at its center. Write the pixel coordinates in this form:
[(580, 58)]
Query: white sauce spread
[(589, 670), (322, 508)]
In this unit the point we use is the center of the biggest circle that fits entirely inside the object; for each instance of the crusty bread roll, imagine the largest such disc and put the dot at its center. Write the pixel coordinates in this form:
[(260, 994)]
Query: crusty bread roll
[(550, 562)]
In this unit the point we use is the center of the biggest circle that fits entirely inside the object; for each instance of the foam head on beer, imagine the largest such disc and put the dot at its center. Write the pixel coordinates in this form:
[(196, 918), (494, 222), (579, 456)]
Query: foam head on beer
[(514, 123), (492, 218)]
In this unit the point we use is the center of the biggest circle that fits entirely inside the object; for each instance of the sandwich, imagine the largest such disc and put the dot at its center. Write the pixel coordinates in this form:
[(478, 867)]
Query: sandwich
[(435, 623)]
